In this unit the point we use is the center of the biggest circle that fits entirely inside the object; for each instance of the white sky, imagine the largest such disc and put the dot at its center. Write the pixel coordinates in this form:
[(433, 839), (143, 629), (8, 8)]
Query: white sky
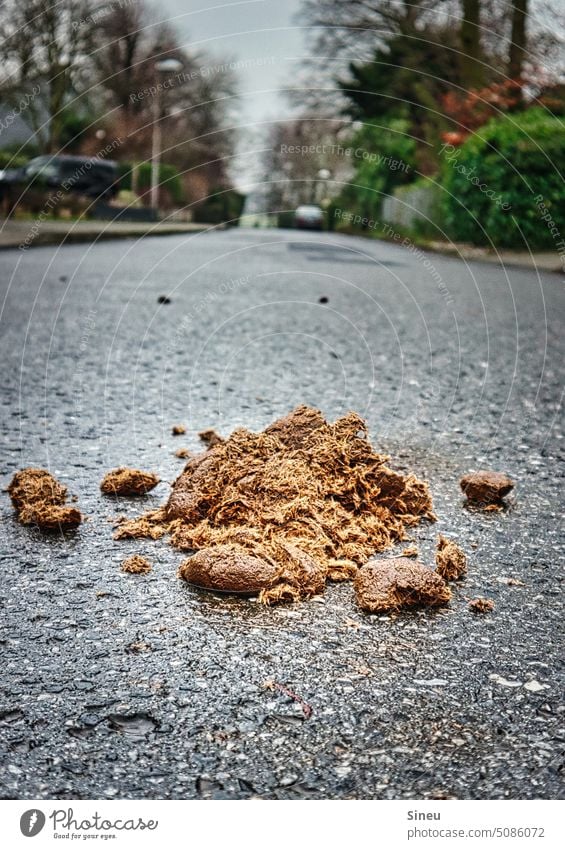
[(250, 31), (264, 37)]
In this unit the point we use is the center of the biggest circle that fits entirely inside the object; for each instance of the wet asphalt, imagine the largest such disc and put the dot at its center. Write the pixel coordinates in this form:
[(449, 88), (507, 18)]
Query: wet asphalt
[(118, 685)]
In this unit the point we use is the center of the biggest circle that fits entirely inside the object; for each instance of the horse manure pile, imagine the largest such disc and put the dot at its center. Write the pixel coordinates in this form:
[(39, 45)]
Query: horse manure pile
[(481, 605), (397, 582), (124, 481), (281, 512), (136, 565), (39, 499), (451, 562), (485, 490), (210, 437)]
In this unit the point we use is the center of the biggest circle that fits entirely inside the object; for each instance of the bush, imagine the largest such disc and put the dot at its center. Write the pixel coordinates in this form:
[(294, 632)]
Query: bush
[(17, 155), (9, 160), (74, 127), (169, 179), (509, 162), (220, 208), (384, 158), (285, 219)]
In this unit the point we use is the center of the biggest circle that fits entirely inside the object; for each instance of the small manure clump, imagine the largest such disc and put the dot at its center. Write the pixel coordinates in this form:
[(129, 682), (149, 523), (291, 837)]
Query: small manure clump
[(124, 481), (178, 430), (481, 605), (136, 565), (387, 585), (451, 562), (229, 568), (39, 499), (283, 511), (210, 437), (485, 489)]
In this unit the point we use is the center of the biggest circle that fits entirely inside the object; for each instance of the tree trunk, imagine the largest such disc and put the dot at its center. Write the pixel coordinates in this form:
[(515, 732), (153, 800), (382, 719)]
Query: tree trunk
[(518, 39), (58, 87), (472, 71)]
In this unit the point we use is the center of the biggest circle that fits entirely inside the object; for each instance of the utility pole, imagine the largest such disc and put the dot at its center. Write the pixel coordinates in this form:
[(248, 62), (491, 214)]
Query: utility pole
[(164, 66)]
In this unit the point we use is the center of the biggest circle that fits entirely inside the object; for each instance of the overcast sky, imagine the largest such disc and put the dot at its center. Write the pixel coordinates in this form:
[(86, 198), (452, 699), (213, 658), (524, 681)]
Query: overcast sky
[(262, 33), (260, 36)]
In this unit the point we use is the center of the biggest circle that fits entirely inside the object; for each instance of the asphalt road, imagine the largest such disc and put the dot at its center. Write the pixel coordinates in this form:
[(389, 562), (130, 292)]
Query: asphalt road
[(119, 685)]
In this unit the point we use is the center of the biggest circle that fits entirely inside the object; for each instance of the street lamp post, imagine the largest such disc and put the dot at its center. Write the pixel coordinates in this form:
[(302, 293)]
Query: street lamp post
[(162, 67), (324, 175)]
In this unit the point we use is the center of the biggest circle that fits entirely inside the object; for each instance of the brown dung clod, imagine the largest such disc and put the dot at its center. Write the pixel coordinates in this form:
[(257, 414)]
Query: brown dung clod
[(183, 454), (229, 568), (311, 497), (124, 481), (451, 562), (50, 517), (211, 438), (481, 605), (153, 525), (178, 430), (39, 499), (136, 565), (484, 488), (410, 551), (385, 585)]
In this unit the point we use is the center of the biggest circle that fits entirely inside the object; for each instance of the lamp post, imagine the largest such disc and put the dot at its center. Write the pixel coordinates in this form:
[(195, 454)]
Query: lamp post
[(324, 175), (164, 66)]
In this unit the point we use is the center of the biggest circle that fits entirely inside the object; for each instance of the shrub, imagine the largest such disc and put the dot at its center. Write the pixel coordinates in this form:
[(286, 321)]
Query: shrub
[(509, 162), (384, 158), (169, 179), (10, 160), (285, 218), (19, 153), (222, 207)]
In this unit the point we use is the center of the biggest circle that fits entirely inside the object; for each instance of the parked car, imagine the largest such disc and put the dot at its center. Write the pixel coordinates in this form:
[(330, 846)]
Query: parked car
[(79, 175), (309, 217)]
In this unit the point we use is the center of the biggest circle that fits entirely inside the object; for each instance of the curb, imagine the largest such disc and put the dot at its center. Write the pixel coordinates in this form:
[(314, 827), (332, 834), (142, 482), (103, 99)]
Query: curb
[(472, 254), (77, 236), (506, 258)]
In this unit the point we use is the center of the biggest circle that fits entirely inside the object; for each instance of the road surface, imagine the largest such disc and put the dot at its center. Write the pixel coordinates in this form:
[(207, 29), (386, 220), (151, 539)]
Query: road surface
[(119, 685)]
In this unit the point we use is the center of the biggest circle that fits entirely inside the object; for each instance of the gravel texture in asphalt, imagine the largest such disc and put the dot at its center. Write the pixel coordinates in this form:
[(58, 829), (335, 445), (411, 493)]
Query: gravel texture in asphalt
[(117, 685)]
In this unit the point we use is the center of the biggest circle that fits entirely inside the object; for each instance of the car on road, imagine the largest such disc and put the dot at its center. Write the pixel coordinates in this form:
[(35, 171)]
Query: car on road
[(309, 217), (90, 177)]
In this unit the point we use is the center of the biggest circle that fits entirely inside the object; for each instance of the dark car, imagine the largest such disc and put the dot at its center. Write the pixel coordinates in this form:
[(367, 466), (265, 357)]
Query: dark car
[(87, 176)]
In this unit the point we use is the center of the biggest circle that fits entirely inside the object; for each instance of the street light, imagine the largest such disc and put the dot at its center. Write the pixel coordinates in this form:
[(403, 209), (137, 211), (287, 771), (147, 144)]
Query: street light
[(164, 66), (324, 175)]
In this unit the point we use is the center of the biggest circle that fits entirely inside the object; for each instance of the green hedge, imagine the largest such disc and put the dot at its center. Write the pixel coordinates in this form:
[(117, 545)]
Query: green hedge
[(220, 208), (384, 157), (169, 179), (9, 160), (510, 169), (285, 219)]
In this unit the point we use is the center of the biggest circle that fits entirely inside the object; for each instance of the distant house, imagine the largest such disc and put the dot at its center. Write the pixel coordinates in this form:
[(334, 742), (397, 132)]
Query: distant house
[(13, 128)]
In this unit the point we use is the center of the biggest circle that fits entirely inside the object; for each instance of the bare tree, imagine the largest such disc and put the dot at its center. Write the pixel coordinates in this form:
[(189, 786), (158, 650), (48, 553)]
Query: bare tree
[(300, 150), (192, 105), (43, 45), (123, 43), (364, 25)]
